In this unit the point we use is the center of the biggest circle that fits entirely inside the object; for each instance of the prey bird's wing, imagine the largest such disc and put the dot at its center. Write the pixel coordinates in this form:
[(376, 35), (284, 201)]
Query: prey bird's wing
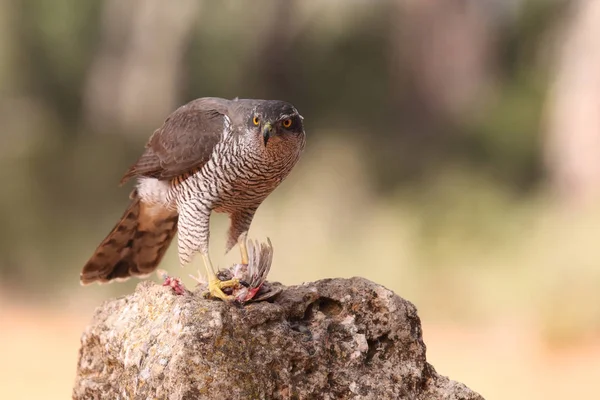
[(185, 142)]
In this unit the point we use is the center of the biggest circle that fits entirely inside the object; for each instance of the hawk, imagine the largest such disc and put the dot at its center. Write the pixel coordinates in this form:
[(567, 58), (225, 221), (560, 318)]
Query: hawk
[(210, 154)]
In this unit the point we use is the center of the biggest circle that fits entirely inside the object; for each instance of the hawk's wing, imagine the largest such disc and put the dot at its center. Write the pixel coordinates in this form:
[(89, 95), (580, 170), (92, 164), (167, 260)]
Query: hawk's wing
[(185, 141)]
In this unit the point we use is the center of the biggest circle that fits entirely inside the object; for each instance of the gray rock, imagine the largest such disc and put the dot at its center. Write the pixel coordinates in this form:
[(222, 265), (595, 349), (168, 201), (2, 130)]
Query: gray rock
[(332, 339)]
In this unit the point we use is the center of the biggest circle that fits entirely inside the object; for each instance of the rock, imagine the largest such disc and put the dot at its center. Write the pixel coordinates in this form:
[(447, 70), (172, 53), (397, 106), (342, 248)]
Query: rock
[(332, 339)]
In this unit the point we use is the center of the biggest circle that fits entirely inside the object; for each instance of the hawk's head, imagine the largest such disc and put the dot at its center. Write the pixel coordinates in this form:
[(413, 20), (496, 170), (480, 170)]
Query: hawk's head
[(275, 119)]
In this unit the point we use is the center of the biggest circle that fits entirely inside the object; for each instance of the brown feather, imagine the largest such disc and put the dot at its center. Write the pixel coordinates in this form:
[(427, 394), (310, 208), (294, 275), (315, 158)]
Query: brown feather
[(135, 246), (185, 141)]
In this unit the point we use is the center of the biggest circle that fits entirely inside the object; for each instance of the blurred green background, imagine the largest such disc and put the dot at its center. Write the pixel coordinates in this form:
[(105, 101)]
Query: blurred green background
[(453, 156)]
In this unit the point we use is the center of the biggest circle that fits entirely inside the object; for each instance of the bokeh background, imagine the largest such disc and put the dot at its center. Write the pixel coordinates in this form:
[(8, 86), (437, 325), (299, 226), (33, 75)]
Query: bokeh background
[(453, 156)]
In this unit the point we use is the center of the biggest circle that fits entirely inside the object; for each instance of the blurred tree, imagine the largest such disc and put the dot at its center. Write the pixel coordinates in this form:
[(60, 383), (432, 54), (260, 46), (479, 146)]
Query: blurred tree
[(573, 110), (274, 53), (441, 68), (445, 49), (51, 48), (134, 79)]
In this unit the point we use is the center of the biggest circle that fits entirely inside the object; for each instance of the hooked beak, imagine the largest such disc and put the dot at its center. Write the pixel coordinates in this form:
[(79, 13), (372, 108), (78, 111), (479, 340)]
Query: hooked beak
[(267, 132)]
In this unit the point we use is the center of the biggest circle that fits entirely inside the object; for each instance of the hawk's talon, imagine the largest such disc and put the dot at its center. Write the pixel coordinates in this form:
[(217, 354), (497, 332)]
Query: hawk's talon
[(231, 283), (216, 286)]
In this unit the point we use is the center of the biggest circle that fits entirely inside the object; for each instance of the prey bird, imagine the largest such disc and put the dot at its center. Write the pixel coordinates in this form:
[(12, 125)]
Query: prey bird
[(209, 155), (252, 276)]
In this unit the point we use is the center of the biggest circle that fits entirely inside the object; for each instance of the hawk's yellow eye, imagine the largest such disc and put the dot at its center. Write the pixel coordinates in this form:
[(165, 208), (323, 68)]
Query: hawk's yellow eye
[(287, 123), (255, 121)]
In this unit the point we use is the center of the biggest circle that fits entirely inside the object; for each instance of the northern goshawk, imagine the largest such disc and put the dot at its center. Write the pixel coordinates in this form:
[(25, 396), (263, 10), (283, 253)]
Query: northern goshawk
[(209, 155)]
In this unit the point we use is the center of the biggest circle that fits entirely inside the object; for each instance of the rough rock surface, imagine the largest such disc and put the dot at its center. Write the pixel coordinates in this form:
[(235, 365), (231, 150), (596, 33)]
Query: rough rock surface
[(332, 339)]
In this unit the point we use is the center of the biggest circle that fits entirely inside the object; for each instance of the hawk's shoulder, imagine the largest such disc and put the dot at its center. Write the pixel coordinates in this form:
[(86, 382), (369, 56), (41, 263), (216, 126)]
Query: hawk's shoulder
[(184, 142)]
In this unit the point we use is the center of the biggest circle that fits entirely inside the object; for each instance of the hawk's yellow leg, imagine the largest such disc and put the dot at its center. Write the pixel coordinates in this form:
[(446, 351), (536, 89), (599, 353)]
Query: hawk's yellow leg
[(243, 248), (215, 285)]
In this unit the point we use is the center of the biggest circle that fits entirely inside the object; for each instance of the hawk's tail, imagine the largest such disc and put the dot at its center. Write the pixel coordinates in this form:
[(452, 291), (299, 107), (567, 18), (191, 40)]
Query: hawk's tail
[(135, 246)]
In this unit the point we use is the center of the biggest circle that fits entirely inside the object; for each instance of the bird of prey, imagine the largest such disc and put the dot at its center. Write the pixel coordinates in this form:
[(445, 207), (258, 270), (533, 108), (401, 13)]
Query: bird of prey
[(209, 155)]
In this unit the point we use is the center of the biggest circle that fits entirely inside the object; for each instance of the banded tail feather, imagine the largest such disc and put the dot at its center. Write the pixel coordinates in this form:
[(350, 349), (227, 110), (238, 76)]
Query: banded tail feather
[(135, 246)]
